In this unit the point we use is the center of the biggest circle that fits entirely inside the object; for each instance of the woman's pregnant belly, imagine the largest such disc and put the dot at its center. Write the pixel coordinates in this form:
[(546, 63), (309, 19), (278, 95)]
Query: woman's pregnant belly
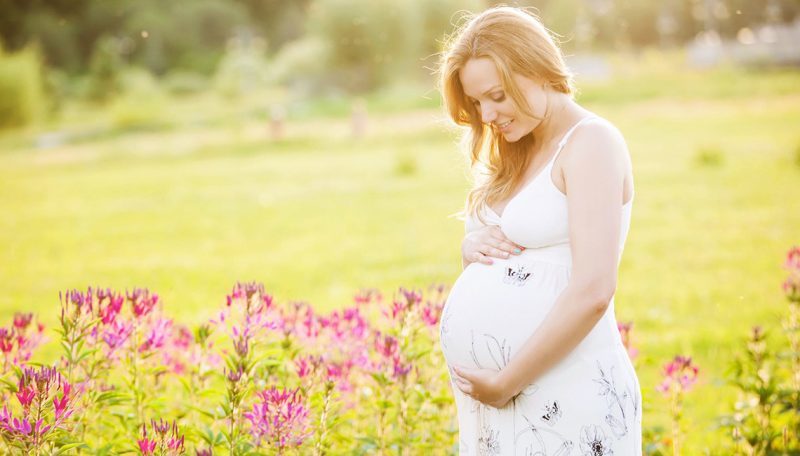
[(493, 309)]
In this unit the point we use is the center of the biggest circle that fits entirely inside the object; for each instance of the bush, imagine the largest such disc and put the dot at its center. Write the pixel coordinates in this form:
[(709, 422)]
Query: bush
[(710, 157), (185, 83), (22, 99), (302, 65), (141, 105), (372, 42), (242, 68), (105, 69)]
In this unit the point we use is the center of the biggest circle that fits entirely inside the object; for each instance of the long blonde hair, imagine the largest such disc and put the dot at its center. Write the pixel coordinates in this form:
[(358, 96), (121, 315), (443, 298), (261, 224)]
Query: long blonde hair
[(517, 42)]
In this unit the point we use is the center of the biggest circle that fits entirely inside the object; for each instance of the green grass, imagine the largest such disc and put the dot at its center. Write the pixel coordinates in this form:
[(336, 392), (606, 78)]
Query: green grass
[(189, 210)]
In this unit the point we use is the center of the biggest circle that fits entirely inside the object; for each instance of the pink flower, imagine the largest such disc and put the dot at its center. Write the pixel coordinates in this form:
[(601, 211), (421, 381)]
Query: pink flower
[(367, 296), (386, 346), (6, 340), (25, 395), (167, 436), (431, 315), (117, 334), (305, 366), (399, 368), (679, 375), (142, 301), (157, 335), (21, 321), (791, 286), (109, 305), (280, 417)]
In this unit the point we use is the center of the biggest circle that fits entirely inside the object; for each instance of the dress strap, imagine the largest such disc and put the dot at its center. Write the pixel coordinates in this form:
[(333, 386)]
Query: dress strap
[(566, 136)]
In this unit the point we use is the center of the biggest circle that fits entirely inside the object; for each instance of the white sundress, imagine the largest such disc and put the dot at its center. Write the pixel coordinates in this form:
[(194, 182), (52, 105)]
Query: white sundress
[(590, 402)]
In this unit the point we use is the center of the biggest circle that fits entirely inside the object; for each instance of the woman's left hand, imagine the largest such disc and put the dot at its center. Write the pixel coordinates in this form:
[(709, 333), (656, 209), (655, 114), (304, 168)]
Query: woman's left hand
[(483, 385)]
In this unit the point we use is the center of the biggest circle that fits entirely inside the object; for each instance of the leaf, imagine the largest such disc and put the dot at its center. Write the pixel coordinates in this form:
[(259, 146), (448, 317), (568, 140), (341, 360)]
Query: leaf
[(64, 448)]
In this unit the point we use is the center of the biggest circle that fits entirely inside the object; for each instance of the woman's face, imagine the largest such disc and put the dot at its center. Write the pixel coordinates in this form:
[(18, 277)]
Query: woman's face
[(483, 87)]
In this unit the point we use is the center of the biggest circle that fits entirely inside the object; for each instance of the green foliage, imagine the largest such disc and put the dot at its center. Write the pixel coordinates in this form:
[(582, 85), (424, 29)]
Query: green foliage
[(371, 41), (797, 155), (21, 92), (242, 69), (303, 65), (766, 415), (405, 164), (185, 83), (709, 156), (105, 69), (141, 104), (182, 34)]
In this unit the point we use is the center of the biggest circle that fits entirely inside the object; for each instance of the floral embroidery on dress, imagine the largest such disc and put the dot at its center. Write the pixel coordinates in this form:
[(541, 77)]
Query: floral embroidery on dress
[(488, 442), (594, 442), (444, 326), (560, 445), (616, 418), (516, 276), (552, 412)]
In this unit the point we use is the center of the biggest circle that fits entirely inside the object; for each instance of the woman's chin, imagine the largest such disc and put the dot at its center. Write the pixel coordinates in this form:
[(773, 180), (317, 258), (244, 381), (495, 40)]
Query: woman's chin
[(511, 136)]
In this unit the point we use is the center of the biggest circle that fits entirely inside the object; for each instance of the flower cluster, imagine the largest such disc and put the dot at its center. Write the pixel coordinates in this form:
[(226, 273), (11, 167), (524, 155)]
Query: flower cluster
[(279, 417), (165, 439), (46, 401), (18, 341)]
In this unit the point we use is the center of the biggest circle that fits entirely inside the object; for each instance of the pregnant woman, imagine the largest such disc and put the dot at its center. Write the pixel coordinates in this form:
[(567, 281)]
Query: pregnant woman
[(528, 330)]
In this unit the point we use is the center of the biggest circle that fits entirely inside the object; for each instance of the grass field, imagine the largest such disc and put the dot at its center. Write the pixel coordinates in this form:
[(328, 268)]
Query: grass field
[(190, 209)]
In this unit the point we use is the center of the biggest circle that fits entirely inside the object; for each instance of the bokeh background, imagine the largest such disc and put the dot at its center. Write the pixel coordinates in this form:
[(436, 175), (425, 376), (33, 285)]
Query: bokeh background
[(186, 145)]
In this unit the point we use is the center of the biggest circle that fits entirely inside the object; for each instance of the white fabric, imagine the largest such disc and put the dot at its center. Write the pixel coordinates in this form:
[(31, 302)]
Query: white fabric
[(590, 403)]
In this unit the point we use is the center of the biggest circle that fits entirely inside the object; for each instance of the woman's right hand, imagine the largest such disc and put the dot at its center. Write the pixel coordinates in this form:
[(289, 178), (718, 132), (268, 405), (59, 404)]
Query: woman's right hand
[(486, 242)]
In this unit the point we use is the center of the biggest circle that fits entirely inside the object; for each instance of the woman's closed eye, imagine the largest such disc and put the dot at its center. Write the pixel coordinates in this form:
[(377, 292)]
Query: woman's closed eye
[(497, 98)]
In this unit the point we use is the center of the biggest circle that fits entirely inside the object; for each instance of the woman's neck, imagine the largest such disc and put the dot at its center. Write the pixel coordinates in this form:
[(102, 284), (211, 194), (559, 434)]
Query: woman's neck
[(562, 113)]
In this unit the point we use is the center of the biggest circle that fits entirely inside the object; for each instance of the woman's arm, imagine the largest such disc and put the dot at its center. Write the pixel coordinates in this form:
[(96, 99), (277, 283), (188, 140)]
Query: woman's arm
[(594, 172)]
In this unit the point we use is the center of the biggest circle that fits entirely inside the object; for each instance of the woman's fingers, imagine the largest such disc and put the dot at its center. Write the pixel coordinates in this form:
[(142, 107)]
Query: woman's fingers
[(481, 258), (501, 242), (502, 249)]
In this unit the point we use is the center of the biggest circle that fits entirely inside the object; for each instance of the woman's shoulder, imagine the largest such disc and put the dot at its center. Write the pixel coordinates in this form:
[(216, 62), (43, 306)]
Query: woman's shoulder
[(595, 140)]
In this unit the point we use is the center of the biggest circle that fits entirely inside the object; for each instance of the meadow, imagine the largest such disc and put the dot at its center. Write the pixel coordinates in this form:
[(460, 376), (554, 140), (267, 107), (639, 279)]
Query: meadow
[(205, 198)]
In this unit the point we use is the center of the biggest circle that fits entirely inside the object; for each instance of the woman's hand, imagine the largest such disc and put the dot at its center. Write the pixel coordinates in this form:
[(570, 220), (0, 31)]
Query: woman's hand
[(489, 241), (483, 385)]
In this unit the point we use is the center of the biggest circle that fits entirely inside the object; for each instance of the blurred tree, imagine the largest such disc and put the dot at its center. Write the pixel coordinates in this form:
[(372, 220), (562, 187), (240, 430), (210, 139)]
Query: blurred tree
[(278, 21), (105, 69), (373, 41)]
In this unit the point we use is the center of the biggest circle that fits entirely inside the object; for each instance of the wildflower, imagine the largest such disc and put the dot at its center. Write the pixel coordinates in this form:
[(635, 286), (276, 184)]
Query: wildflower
[(21, 320), (167, 437), (680, 373), (146, 446), (280, 417), (431, 315), (142, 301), (157, 335), (399, 368), (305, 366), (791, 286), (367, 296), (386, 346), (6, 340), (25, 395), (109, 305), (116, 335)]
